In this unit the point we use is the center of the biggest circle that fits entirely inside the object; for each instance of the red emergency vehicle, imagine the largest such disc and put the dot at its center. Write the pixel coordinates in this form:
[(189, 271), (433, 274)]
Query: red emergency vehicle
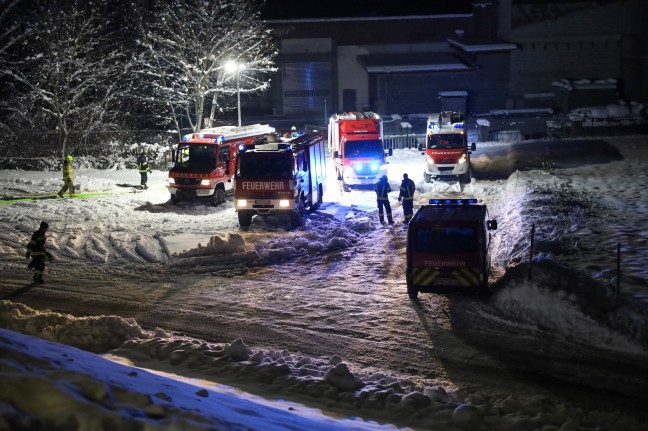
[(204, 161), (447, 153), (448, 247), (356, 139), (274, 177)]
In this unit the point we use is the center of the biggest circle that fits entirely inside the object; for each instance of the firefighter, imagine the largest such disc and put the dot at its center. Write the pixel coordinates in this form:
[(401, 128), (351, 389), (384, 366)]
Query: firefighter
[(382, 189), (36, 251), (144, 169), (68, 179), (406, 195)]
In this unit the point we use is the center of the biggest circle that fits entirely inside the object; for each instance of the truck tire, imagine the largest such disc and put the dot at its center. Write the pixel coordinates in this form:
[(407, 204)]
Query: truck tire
[(174, 199), (412, 292), (245, 218), (465, 178), (218, 197)]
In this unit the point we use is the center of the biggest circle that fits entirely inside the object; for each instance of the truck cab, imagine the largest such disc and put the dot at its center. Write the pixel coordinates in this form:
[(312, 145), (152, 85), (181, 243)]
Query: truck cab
[(447, 153), (448, 247)]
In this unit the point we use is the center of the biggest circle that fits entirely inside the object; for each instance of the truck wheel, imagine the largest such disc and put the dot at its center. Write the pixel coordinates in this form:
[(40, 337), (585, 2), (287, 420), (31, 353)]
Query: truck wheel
[(218, 197), (174, 199), (412, 292), (296, 220), (465, 178), (245, 218)]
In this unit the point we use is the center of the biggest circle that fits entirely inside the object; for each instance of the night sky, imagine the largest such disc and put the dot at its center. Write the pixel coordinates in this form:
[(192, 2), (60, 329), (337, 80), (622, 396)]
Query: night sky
[(293, 9)]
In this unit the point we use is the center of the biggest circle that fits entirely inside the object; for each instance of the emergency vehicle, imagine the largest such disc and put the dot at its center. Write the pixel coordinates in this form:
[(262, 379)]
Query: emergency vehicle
[(273, 177), (447, 153), (204, 161), (448, 247), (356, 140)]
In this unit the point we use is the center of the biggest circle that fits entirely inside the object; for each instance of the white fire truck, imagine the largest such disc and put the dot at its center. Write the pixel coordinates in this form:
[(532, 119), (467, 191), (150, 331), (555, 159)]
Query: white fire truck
[(273, 177), (204, 161), (359, 154), (447, 154), (448, 247)]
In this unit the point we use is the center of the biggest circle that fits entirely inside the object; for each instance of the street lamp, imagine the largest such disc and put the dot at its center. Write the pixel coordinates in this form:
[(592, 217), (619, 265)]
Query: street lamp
[(233, 66)]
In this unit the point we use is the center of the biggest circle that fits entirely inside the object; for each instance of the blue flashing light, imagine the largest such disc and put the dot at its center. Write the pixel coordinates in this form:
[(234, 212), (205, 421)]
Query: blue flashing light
[(453, 201), (459, 126), (220, 139), (187, 137), (374, 166), (242, 148), (201, 135)]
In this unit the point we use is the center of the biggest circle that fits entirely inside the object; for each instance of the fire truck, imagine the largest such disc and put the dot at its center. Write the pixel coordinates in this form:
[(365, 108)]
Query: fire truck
[(359, 154), (204, 161), (447, 153), (448, 247), (280, 177)]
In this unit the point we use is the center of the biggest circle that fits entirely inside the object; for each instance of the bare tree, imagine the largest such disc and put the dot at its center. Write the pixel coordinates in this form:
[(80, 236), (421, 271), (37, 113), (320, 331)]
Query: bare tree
[(69, 67), (186, 45)]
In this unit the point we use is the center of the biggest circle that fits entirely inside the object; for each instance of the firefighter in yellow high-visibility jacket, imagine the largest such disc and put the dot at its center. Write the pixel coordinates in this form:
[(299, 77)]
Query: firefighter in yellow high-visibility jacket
[(68, 177)]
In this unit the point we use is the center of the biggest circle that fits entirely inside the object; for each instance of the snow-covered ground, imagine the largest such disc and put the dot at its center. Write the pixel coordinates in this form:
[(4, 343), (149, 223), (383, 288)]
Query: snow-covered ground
[(584, 197)]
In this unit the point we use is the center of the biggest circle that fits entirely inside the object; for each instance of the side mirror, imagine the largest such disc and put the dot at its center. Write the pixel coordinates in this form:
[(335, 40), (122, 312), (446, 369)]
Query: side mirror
[(473, 147), (336, 155), (491, 224)]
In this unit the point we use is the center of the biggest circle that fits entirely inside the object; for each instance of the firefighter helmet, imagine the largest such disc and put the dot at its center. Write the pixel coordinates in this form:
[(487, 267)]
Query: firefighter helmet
[(68, 158)]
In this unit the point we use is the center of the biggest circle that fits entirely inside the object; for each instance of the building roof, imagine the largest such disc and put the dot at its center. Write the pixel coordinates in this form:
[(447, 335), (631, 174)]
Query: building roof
[(414, 62)]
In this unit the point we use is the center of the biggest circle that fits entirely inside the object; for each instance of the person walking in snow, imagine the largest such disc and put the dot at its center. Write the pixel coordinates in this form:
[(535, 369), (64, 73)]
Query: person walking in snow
[(36, 251), (144, 169), (406, 195), (382, 189), (68, 179)]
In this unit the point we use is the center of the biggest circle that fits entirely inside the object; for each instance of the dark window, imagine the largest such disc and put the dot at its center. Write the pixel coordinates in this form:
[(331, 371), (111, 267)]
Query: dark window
[(273, 167), (445, 240), (436, 142), (355, 149), (197, 155)]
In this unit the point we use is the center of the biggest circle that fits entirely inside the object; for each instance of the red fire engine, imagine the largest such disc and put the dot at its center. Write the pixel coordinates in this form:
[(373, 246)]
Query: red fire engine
[(358, 150), (273, 177), (204, 161), (447, 154), (448, 247)]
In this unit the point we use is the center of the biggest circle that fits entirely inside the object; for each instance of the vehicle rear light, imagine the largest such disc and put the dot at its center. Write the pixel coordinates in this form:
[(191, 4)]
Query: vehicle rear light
[(241, 203), (284, 203)]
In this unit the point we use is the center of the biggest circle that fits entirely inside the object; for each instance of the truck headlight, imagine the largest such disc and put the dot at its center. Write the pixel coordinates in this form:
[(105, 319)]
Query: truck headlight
[(205, 182), (429, 160), (284, 203), (171, 181), (241, 203), (462, 159)]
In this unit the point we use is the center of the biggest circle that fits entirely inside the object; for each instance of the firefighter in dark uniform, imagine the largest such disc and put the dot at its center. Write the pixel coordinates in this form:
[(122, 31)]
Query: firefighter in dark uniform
[(36, 251), (144, 169), (382, 189), (406, 195)]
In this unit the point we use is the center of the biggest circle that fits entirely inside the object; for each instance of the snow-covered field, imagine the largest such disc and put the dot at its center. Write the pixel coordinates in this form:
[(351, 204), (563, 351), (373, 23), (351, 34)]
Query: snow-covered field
[(583, 197)]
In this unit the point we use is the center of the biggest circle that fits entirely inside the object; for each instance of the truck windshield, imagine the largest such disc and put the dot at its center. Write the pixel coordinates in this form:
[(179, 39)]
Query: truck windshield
[(251, 165), (437, 142), (445, 240), (357, 149), (196, 155)]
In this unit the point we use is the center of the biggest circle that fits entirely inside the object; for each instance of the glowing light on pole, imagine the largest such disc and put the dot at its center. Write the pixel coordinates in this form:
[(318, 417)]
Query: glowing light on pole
[(233, 66)]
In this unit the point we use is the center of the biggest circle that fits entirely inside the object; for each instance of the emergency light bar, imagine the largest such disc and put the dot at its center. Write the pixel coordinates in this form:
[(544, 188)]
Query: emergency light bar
[(458, 125), (452, 201)]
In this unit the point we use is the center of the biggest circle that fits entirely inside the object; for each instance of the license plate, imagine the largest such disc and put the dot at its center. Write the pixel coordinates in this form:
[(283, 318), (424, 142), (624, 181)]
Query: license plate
[(203, 192), (262, 202), (446, 282)]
